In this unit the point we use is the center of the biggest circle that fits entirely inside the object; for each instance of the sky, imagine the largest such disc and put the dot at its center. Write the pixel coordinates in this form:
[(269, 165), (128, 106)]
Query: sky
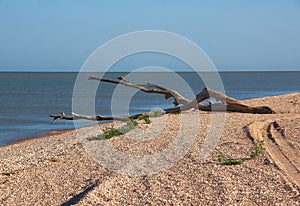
[(59, 35)]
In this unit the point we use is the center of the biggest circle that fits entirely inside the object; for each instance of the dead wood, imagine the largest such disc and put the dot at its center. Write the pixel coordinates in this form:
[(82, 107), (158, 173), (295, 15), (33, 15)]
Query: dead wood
[(224, 103), (149, 88)]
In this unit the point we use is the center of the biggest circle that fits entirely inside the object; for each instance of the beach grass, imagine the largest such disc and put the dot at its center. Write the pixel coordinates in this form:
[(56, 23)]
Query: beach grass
[(111, 132)]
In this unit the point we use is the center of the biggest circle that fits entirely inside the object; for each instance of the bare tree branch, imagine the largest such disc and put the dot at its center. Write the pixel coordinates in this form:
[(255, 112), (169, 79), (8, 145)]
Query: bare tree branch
[(156, 88)]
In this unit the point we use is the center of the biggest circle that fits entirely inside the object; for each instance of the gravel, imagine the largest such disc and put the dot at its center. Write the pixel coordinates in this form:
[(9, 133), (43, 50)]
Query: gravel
[(66, 168)]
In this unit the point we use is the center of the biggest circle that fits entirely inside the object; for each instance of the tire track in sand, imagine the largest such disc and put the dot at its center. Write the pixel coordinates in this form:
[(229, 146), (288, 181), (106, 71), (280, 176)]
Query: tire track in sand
[(285, 156)]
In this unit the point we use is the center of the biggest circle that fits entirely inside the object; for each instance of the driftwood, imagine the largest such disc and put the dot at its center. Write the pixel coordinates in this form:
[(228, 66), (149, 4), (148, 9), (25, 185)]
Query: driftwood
[(180, 102), (149, 88)]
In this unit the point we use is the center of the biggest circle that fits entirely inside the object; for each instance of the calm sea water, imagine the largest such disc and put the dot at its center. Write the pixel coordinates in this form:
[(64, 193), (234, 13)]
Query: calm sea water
[(27, 99)]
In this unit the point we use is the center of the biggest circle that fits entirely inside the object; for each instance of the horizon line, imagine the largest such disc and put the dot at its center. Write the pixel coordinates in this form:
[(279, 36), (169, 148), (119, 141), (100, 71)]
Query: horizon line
[(126, 71)]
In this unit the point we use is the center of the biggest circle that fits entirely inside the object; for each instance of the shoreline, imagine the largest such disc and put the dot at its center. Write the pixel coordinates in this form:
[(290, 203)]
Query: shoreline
[(57, 132), (46, 135), (49, 133)]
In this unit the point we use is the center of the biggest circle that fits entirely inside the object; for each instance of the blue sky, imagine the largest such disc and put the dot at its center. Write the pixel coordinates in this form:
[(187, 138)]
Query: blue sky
[(58, 35)]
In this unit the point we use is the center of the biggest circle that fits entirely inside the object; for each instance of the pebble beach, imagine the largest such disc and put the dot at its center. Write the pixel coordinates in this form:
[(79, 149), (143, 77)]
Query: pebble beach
[(60, 170)]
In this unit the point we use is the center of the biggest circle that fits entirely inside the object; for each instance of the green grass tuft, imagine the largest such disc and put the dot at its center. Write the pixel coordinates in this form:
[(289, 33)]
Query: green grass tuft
[(258, 150), (111, 132), (228, 161), (157, 113), (146, 119)]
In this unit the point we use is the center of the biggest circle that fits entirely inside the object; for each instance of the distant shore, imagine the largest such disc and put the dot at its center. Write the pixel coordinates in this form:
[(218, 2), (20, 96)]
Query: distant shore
[(57, 169)]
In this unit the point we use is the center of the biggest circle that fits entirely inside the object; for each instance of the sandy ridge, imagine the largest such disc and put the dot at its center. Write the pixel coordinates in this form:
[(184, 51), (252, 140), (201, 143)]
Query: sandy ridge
[(282, 153)]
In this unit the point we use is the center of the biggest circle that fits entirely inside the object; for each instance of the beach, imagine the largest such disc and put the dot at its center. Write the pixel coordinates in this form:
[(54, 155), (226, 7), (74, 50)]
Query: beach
[(58, 169)]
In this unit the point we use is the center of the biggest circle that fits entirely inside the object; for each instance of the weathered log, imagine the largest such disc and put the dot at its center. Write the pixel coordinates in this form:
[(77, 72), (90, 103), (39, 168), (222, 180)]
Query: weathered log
[(232, 105)]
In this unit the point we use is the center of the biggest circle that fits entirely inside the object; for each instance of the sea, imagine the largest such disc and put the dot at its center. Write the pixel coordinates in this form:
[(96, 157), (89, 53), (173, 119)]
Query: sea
[(27, 99)]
